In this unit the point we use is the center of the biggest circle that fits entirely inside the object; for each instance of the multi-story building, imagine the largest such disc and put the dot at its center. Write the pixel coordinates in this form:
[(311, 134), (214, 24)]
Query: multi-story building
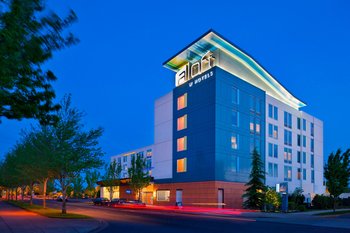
[(224, 105)]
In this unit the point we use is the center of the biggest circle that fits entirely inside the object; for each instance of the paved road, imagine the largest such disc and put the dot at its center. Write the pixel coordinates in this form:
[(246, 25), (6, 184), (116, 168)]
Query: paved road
[(129, 221)]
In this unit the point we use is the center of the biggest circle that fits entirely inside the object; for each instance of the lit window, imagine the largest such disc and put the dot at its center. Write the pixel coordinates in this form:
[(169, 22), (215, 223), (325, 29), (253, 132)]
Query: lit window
[(251, 125), (182, 123), (181, 165), (287, 173), (299, 174), (287, 155), (234, 141), (182, 101), (182, 143), (163, 195), (257, 125)]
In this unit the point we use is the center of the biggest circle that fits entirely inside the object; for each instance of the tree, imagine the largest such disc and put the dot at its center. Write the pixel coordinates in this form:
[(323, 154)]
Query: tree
[(91, 178), (111, 177), (75, 149), (255, 193), (272, 199), (337, 174), (27, 40), (139, 177), (78, 186)]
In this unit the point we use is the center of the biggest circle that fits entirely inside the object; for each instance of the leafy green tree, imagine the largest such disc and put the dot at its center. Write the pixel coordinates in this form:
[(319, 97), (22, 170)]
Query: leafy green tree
[(111, 177), (91, 178), (28, 37), (139, 177), (337, 174), (272, 199), (255, 193), (78, 186), (75, 149)]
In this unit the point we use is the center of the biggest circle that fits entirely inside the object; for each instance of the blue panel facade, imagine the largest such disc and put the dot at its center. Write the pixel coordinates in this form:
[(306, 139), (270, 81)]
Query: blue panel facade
[(249, 104), (210, 114), (200, 130)]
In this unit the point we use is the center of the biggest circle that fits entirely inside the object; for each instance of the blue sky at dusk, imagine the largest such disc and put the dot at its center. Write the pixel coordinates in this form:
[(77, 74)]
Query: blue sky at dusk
[(115, 73)]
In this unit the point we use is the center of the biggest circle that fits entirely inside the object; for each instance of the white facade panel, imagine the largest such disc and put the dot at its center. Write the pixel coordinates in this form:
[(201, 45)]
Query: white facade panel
[(163, 137), (310, 188)]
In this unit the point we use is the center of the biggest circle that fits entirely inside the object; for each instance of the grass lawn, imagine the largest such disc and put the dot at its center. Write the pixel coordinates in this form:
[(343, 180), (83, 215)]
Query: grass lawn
[(334, 213), (48, 212)]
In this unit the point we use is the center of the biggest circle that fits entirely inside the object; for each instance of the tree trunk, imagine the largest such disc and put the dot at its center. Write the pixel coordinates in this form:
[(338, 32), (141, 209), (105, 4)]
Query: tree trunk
[(31, 193), (22, 190), (64, 194), (140, 194), (110, 193), (16, 193), (45, 186)]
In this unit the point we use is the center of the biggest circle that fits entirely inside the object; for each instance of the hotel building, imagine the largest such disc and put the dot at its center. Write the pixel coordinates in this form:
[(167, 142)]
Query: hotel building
[(225, 104)]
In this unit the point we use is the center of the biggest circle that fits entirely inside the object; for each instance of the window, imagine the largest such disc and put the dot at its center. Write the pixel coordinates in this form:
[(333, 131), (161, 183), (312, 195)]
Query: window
[(119, 160), (304, 124), (270, 111), (304, 174), (273, 131), (299, 140), (182, 102), (312, 129), (235, 95), (182, 123), (272, 170), (304, 141), (299, 123), (251, 124), (255, 105), (287, 119), (312, 176), (257, 125), (287, 173), (312, 158), (287, 137), (273, 150), (287, 155), (125, 159), (275, 170), (235, 118), (163, 195), (304, 157), (234, 141), (275, 113), (181, 165), (312, 145), (257, 145), (299, 174), (299, 157), (182, 144)]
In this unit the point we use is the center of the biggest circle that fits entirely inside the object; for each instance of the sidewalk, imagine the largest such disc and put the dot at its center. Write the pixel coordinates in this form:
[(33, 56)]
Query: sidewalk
[(303, 218), (14, 219)]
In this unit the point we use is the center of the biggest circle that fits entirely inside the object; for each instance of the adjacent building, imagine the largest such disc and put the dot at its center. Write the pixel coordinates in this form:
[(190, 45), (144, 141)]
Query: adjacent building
[(225, 104)]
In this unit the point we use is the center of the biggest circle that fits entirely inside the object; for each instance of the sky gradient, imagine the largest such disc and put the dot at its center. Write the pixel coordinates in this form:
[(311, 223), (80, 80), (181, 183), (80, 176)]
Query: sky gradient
[(115, 73)]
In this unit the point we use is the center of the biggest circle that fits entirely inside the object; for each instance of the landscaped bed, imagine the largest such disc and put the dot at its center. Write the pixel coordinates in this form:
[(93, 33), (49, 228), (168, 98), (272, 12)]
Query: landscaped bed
[(47, 212)]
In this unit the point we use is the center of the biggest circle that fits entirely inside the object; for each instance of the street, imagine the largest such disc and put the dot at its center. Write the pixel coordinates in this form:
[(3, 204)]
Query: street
[(126, 220)]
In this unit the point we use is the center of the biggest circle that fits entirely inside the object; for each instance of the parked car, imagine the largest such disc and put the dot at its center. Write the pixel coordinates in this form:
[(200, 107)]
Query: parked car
[(135, 203), (60, 198), (116, 201), (101, 201)]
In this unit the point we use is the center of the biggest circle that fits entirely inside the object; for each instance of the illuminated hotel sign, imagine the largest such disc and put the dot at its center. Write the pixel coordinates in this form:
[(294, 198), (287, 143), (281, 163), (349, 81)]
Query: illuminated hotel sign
[(189, 72)]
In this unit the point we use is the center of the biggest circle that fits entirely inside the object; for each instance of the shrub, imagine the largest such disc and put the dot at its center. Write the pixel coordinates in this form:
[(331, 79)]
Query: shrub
[(301, 207), (322, 202), (291, 205), (272, 200)]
